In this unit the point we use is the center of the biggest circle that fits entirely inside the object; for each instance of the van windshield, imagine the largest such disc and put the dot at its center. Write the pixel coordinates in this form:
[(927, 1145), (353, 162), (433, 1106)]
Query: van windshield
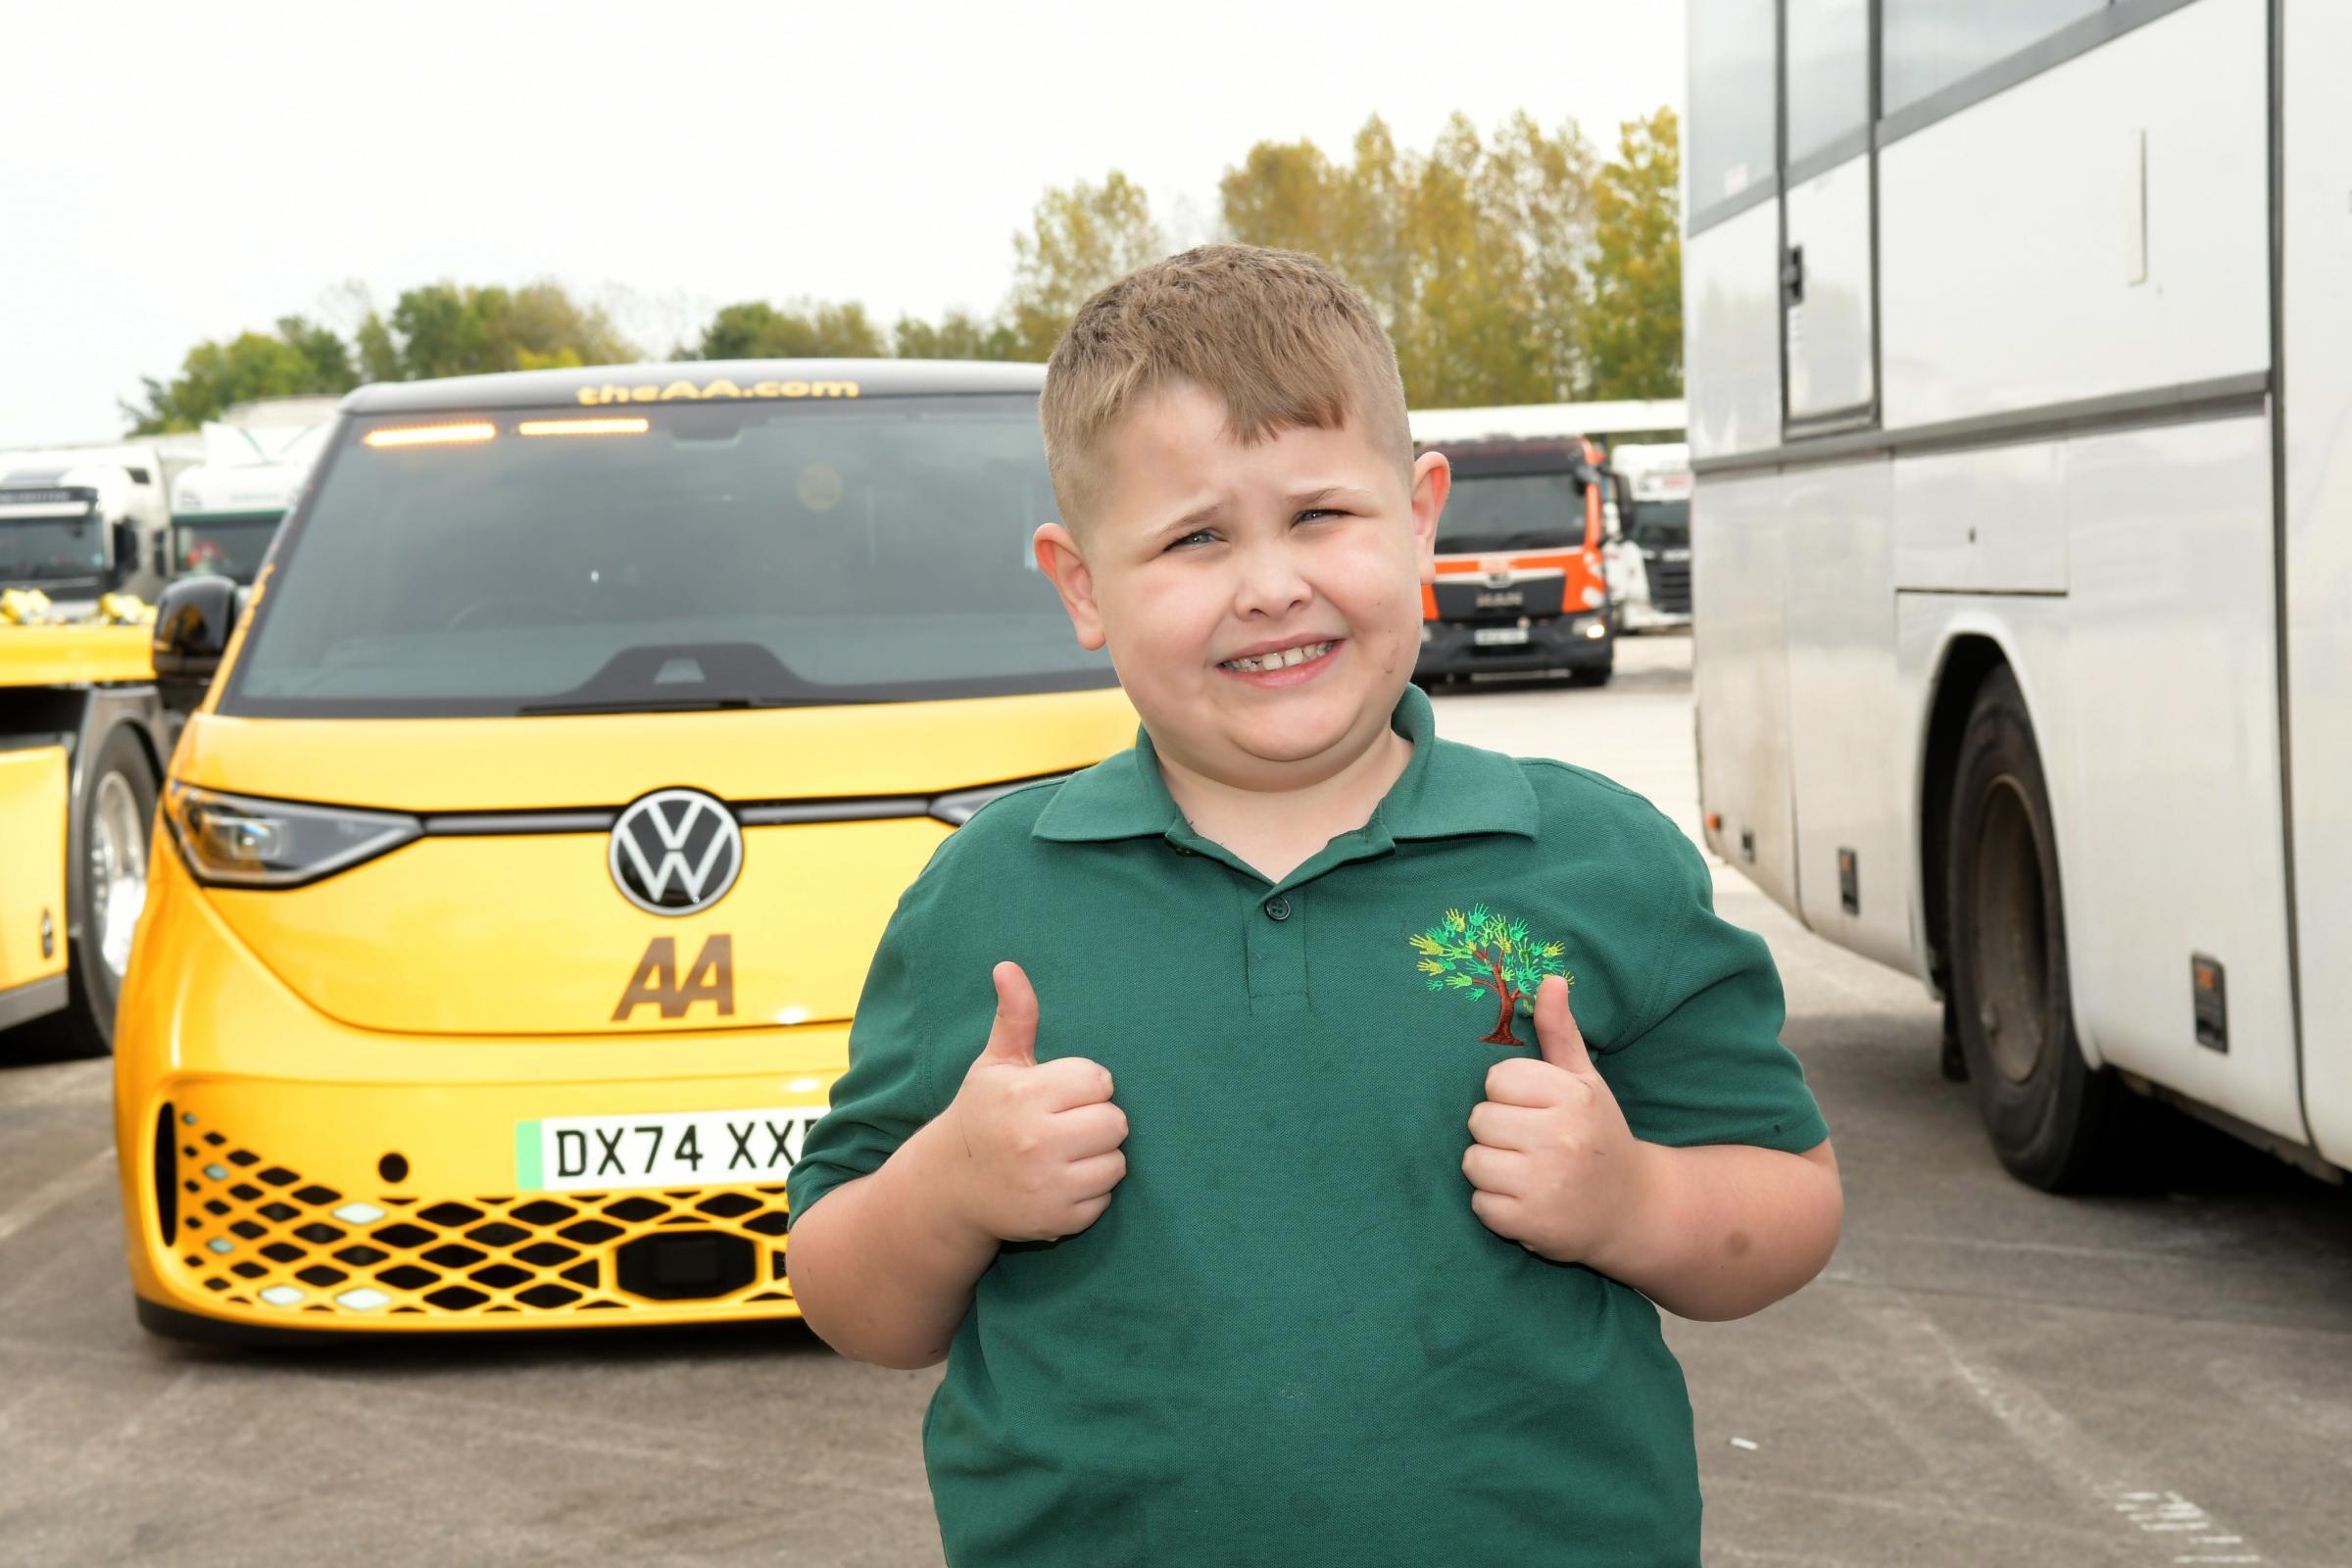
[(1491, 511), (681, 556)]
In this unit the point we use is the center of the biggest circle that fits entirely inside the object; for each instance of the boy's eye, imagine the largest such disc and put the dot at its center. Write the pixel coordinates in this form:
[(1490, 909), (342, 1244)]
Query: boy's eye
[(1197, 536), (1317, 511)]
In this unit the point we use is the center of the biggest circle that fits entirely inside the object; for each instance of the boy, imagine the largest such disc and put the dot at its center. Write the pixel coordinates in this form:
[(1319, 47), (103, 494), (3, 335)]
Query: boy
[(1219, 1114)]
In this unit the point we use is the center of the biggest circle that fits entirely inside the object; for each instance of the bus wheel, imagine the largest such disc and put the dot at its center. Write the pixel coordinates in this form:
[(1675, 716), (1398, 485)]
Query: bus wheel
[(109, 888), (2053, 1122)]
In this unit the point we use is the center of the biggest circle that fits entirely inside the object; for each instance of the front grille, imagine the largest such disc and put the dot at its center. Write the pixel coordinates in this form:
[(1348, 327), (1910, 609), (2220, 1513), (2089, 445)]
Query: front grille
[(257, 1234), (1669, 585), (1458, 598)]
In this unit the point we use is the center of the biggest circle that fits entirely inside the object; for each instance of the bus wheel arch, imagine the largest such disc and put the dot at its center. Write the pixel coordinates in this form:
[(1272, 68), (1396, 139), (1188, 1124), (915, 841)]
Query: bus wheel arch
[(2054, 1120), (1966, 662)]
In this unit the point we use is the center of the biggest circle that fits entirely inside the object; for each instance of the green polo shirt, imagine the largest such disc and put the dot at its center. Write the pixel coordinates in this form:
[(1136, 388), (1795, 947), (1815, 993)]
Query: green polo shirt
[(1288, 1340)]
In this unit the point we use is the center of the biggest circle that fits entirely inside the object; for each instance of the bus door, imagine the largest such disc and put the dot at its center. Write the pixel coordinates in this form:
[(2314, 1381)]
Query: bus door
[(1829, 265)]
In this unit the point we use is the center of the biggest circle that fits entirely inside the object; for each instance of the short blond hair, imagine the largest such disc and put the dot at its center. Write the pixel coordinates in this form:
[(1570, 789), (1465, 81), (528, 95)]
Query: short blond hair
[(1279, 336)]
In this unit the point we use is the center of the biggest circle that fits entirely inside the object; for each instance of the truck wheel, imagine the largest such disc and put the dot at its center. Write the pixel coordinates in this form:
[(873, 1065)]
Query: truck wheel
[(108, 888), (1593, 675), (2054, 1123)]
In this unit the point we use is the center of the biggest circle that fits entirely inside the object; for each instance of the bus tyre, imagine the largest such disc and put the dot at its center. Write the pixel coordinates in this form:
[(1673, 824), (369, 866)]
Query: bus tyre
[(2054, 1123), (107, 887)]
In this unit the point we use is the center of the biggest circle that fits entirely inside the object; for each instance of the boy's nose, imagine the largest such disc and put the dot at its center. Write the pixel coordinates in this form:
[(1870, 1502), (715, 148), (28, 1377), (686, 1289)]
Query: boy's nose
[(1269, 583)]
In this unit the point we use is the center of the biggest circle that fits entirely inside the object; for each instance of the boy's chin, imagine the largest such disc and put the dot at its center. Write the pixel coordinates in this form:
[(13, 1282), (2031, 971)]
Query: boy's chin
[(1305, 731)]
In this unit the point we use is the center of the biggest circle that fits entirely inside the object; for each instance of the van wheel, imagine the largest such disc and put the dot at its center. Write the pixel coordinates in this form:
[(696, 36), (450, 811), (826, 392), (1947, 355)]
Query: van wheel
[(2053, 1122), (107, 888), (1593, 675)]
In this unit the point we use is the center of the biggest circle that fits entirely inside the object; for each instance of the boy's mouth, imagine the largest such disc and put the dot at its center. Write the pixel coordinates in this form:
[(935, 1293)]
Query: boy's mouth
[(1280, 657)]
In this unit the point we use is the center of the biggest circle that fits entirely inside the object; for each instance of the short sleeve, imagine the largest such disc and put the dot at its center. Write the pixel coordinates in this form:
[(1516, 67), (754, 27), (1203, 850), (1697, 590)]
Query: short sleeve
[(1703, 1062), (887, 1095)]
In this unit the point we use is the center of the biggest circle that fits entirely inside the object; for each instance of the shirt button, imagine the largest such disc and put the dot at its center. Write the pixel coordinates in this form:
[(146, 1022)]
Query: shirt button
[(1277, 908)]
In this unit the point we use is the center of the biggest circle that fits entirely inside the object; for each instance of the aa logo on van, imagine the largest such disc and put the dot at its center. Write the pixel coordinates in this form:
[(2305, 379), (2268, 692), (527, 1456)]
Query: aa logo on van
[(659, 982), (676, 852)]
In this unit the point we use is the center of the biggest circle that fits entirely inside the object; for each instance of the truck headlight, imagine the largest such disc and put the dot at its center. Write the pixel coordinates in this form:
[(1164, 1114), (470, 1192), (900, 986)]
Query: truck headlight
[(237, 841)]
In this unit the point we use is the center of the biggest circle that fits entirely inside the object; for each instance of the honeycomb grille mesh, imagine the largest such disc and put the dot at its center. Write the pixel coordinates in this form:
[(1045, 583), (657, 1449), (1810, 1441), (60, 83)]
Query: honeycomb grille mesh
[(258, 1234)]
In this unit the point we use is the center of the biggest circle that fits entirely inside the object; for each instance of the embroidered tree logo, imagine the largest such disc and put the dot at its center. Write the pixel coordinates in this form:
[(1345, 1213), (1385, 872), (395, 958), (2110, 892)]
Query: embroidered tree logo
[(1483, 952)]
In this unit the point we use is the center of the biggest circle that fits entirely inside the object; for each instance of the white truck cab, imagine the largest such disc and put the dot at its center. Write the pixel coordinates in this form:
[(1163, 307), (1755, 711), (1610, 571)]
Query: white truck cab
[(1649, 545), (225, 510), (78, 523)]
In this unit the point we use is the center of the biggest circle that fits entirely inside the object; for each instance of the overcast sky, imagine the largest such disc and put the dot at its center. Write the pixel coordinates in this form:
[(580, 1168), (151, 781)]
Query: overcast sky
[(174, 172)]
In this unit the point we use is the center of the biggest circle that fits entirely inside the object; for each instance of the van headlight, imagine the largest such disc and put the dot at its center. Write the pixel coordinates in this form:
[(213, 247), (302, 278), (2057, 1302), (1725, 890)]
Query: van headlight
[(236, 841)]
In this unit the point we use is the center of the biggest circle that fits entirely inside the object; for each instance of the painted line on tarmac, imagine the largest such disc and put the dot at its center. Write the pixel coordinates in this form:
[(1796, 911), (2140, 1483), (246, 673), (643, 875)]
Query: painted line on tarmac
[(2065, 1452), (61, 1191)]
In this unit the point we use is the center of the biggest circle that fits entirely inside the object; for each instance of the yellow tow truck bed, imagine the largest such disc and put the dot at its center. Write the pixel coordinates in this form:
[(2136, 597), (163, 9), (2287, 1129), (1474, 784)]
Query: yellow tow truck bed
[(80, 722), (73, 655)]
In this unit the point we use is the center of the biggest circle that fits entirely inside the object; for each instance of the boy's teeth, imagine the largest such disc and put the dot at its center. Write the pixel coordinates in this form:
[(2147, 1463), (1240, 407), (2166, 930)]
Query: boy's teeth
[(1282, 661)]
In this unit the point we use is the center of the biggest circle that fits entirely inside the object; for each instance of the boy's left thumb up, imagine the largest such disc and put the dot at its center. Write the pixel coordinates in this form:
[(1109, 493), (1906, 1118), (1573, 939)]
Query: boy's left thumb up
[(1557, 1037)]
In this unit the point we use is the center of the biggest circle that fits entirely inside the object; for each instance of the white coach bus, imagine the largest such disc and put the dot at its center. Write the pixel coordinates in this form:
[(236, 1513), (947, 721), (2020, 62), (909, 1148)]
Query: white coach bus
[(2020, 379)]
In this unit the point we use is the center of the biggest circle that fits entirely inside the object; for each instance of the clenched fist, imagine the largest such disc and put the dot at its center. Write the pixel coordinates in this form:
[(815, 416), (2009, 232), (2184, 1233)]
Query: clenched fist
[(1552, 1164), (1040, 1139)]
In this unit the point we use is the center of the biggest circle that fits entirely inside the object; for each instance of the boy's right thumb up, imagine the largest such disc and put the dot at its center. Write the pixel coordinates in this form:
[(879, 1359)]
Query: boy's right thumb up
[(1012, 1038)]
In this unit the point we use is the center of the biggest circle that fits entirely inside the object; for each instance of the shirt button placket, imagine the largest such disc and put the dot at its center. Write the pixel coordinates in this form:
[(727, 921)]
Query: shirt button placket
[(1276, 942)]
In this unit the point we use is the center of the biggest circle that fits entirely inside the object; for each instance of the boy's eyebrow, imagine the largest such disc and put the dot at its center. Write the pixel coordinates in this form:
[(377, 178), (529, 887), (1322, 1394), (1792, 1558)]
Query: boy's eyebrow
[(1206, 511), (1343, 492)]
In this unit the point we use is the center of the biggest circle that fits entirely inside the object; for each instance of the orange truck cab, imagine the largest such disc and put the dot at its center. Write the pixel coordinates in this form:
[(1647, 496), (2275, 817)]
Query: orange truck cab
[(1520, 585)]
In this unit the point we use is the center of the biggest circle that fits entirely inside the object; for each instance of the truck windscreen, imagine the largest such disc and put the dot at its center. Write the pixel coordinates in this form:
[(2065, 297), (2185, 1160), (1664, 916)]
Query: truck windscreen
[(1495, 512), (50, 540), (680, 556), (1661, 522), (229, 543)]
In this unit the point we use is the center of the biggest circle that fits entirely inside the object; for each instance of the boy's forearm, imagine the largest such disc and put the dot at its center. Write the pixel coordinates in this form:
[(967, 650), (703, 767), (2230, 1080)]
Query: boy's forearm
[(1728, 1229), (883, 1268)]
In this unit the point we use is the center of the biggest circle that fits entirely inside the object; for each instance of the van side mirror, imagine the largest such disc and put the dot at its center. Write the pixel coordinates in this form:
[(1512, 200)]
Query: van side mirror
[(192, 626)]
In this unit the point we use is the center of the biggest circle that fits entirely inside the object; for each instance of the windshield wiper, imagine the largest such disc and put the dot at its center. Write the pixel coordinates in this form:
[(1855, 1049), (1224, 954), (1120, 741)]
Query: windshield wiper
[(676, 705)]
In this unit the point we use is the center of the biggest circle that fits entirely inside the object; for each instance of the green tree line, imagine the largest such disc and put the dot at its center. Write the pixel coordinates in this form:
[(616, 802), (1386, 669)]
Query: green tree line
[(1521, 267)]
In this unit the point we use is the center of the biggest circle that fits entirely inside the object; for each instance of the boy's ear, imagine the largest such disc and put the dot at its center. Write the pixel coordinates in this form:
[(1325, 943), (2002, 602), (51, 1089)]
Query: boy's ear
[(1058, 558), (1432, 482)]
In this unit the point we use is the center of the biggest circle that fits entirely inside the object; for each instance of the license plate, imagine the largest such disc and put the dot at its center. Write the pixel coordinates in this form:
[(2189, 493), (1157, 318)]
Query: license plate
[(1675, 555), (669, 1148), (1498, 636)]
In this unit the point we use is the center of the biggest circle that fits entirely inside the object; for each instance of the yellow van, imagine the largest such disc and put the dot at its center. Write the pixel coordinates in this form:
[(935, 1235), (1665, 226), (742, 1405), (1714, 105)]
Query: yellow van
[(519, 867)]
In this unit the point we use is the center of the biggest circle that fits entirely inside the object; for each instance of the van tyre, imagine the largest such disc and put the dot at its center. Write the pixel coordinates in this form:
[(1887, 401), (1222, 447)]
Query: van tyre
[(2054, 1122), (107, 883)]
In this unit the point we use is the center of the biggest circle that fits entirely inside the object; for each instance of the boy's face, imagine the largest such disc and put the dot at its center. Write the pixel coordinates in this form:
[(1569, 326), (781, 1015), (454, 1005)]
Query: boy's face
[(1199, 551)]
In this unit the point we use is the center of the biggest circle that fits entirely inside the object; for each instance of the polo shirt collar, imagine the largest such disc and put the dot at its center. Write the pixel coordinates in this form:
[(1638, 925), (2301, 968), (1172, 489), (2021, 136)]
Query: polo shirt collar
[(1446, 791)]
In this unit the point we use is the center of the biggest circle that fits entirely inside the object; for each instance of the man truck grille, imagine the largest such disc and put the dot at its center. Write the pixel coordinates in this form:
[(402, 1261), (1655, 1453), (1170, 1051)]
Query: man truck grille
[(253, 1232)]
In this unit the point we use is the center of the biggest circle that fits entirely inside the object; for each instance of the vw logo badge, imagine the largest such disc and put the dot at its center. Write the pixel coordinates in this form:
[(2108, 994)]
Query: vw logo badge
[(676, 852)]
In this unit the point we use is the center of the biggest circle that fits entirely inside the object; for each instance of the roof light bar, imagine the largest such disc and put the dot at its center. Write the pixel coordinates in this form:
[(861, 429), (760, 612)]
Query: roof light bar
[(424, 435), (583, 426)]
